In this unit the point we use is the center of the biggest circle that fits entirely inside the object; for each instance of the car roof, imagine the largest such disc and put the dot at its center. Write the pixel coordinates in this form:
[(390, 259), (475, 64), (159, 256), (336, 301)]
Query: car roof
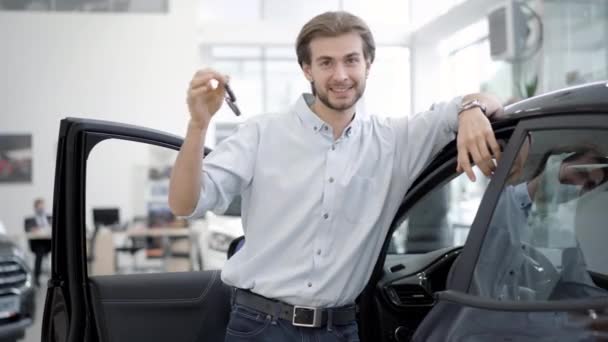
[(586, 98)]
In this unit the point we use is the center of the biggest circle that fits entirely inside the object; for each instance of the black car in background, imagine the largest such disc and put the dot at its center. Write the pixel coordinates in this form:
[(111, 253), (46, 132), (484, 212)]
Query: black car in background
[(517, 257), (17, 294)]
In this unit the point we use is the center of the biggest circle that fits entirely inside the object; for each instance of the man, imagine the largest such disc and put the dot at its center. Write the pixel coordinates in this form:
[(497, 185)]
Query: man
[(39, 223), (319, 184)]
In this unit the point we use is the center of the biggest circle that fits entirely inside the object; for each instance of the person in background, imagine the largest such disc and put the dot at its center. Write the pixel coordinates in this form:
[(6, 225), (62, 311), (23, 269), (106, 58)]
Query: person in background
[(40, 223)]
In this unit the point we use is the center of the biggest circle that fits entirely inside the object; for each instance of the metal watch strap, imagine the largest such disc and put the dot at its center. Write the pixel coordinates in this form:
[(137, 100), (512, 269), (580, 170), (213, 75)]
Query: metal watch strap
[(472, 104)]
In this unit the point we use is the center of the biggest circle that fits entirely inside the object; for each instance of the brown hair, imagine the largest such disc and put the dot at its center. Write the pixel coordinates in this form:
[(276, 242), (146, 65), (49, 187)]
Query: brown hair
[(333, 24), (576, 152)]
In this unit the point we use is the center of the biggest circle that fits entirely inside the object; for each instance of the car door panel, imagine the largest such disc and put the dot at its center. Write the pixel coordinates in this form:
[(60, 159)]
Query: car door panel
[(179, 306), (159, 311)]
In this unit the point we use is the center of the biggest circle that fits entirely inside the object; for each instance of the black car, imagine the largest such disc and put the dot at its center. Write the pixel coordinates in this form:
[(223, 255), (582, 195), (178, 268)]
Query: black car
[(525, 261), (17, 293)]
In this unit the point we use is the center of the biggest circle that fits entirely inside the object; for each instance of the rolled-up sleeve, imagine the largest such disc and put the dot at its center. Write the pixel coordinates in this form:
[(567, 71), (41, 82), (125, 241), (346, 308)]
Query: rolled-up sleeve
[(421, 136), (227, 170)]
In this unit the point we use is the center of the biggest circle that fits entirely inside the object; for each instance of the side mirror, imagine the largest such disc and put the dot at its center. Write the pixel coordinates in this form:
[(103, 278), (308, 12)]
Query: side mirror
[(235, 245)]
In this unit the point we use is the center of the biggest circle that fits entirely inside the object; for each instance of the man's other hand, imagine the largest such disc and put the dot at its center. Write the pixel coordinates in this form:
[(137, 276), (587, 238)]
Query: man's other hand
[(476, 141)]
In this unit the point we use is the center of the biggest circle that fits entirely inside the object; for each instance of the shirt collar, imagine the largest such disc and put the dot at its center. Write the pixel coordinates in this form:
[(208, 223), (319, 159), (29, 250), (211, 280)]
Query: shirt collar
[(522, 196), (312, 121)]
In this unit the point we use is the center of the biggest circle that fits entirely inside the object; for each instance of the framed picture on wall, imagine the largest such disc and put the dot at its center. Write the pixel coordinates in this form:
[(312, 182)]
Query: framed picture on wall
[(15, 158)]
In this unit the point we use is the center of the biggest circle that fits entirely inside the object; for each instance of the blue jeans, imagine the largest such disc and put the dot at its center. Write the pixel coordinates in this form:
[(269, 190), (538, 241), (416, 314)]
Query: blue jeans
[(249, 325)]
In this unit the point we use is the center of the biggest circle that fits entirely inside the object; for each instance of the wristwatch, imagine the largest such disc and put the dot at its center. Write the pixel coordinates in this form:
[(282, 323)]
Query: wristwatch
[(472, 104)]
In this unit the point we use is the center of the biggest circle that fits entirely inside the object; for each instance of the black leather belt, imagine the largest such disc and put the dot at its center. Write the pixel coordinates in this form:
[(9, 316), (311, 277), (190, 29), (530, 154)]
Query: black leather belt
[(300, 316)]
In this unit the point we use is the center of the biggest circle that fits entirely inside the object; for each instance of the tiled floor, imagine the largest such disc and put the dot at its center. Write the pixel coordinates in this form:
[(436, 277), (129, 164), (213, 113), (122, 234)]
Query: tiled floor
[(32, 334)]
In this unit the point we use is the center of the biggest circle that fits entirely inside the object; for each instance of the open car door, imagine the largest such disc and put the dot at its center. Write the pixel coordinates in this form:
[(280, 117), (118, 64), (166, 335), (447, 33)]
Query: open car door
[(91, 296)]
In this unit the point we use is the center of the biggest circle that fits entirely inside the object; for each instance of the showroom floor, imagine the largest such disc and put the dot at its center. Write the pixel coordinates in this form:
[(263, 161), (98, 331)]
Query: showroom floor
[(32, 334)]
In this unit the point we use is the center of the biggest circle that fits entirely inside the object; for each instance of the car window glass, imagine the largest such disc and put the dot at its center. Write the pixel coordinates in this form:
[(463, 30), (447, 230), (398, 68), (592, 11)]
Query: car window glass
[(130, 228), (442, 218), (548, 235)]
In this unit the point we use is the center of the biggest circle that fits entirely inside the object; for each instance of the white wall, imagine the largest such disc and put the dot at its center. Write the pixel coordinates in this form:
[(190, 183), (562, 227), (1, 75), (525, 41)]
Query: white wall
[(130, 68)]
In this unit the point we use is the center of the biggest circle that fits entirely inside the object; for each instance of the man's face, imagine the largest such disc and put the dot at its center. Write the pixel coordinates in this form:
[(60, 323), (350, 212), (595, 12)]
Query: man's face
[(583, 171), (39, 207), (338, 70)]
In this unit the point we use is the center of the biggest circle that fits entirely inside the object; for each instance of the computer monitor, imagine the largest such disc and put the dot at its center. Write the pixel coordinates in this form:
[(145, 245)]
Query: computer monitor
[(106, 216)]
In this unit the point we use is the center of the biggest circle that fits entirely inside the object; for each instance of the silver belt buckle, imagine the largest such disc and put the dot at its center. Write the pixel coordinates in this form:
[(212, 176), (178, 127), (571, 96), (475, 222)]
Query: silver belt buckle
[(305, 316)]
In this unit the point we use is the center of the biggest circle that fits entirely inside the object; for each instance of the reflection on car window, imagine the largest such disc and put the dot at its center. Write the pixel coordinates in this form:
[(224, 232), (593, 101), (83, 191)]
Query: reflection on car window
[(442, 218), (547, 237)]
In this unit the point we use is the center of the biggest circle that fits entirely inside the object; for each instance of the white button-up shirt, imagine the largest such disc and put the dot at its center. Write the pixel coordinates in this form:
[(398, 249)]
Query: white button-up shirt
[(316, 210)]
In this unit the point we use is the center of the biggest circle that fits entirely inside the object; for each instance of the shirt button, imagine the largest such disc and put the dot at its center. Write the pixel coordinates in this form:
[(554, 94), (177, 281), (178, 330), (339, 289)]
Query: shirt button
[(331, 179), (325, 128), (333, 147), (326, 216), (315, 128), (309, 284), (318, 252)]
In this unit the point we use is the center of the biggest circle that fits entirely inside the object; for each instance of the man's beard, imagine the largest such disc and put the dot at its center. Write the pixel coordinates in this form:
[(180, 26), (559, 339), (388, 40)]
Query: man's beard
[(324, 97)]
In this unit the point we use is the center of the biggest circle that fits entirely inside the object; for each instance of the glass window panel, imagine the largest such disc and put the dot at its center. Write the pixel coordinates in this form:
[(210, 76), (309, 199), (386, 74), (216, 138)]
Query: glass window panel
[(288, 52), (296, 11), (442, 218), (219, 52), (388, 85), (547, 236), (230, 10), (468, 68), (424, 11), (391, 12), (464, 37), (285, 81), (471, 70), (574, 42)]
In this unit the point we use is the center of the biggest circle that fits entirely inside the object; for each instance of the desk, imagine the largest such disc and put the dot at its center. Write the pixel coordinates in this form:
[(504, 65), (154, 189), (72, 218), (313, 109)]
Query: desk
[(40, 245), (168, 235), (164, 232), (45, 237), (39, 235)]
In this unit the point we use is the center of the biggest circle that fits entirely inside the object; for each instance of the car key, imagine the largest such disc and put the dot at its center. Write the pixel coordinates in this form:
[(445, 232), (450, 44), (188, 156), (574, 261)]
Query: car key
[(231, 100)]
